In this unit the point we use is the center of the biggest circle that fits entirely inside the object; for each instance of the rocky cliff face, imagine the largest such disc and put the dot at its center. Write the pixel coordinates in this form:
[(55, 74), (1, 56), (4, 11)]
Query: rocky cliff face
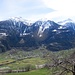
[(20, 33)]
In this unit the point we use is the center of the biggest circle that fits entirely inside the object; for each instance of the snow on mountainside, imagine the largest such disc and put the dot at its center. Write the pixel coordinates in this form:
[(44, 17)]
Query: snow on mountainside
[(66, 21), (43, 25), (55, 36), (20, 19), (25, 27), (67, 24)]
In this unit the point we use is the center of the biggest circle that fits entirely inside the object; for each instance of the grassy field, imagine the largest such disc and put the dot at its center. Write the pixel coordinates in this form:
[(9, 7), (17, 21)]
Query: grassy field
[(21, 58), (24, 58), (22, 63), (34, 72)]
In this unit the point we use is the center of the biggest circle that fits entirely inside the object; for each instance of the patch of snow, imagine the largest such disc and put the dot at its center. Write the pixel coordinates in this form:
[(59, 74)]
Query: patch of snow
[(40, 35), (3, 34), (26, 33), (60, 27), (32, 35), (54, 30), (20, 19), (45, 25), (65, 21)]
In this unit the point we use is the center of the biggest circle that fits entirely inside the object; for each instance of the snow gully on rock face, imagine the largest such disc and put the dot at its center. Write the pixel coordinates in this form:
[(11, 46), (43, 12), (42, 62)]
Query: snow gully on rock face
[(39, 32), (43, 26)]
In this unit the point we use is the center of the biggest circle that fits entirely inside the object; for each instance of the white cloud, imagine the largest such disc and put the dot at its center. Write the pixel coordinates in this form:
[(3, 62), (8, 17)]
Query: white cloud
[(33, 9), (60, 13), (36, 9), (64, 8), (60, 4)]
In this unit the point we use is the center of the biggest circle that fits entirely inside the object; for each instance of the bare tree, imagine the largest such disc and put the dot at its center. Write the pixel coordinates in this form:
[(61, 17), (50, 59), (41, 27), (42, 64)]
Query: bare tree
[(61, 65)]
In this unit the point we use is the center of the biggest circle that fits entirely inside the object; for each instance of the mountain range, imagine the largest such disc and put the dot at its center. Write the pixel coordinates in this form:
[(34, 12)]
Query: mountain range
[(19, 33)]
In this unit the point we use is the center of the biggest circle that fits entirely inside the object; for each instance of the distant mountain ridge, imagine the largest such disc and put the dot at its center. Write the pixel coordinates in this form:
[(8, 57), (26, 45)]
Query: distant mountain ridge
[(17, 32)]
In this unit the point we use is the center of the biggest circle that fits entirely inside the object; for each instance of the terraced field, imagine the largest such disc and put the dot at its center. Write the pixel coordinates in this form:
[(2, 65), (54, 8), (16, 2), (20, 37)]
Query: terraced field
[(18, 60)]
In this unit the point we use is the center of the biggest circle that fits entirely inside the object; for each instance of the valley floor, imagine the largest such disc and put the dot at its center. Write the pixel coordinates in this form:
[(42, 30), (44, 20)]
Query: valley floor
[(20, 60)]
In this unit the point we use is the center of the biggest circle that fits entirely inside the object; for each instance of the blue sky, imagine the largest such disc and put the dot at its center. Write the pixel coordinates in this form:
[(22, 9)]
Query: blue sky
[(37, 9), (28, 9)]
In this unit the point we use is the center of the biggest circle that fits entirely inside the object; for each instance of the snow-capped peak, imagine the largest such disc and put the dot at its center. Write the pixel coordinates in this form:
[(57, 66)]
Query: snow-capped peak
[(66, 21), (20, 19), (44, 25)]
